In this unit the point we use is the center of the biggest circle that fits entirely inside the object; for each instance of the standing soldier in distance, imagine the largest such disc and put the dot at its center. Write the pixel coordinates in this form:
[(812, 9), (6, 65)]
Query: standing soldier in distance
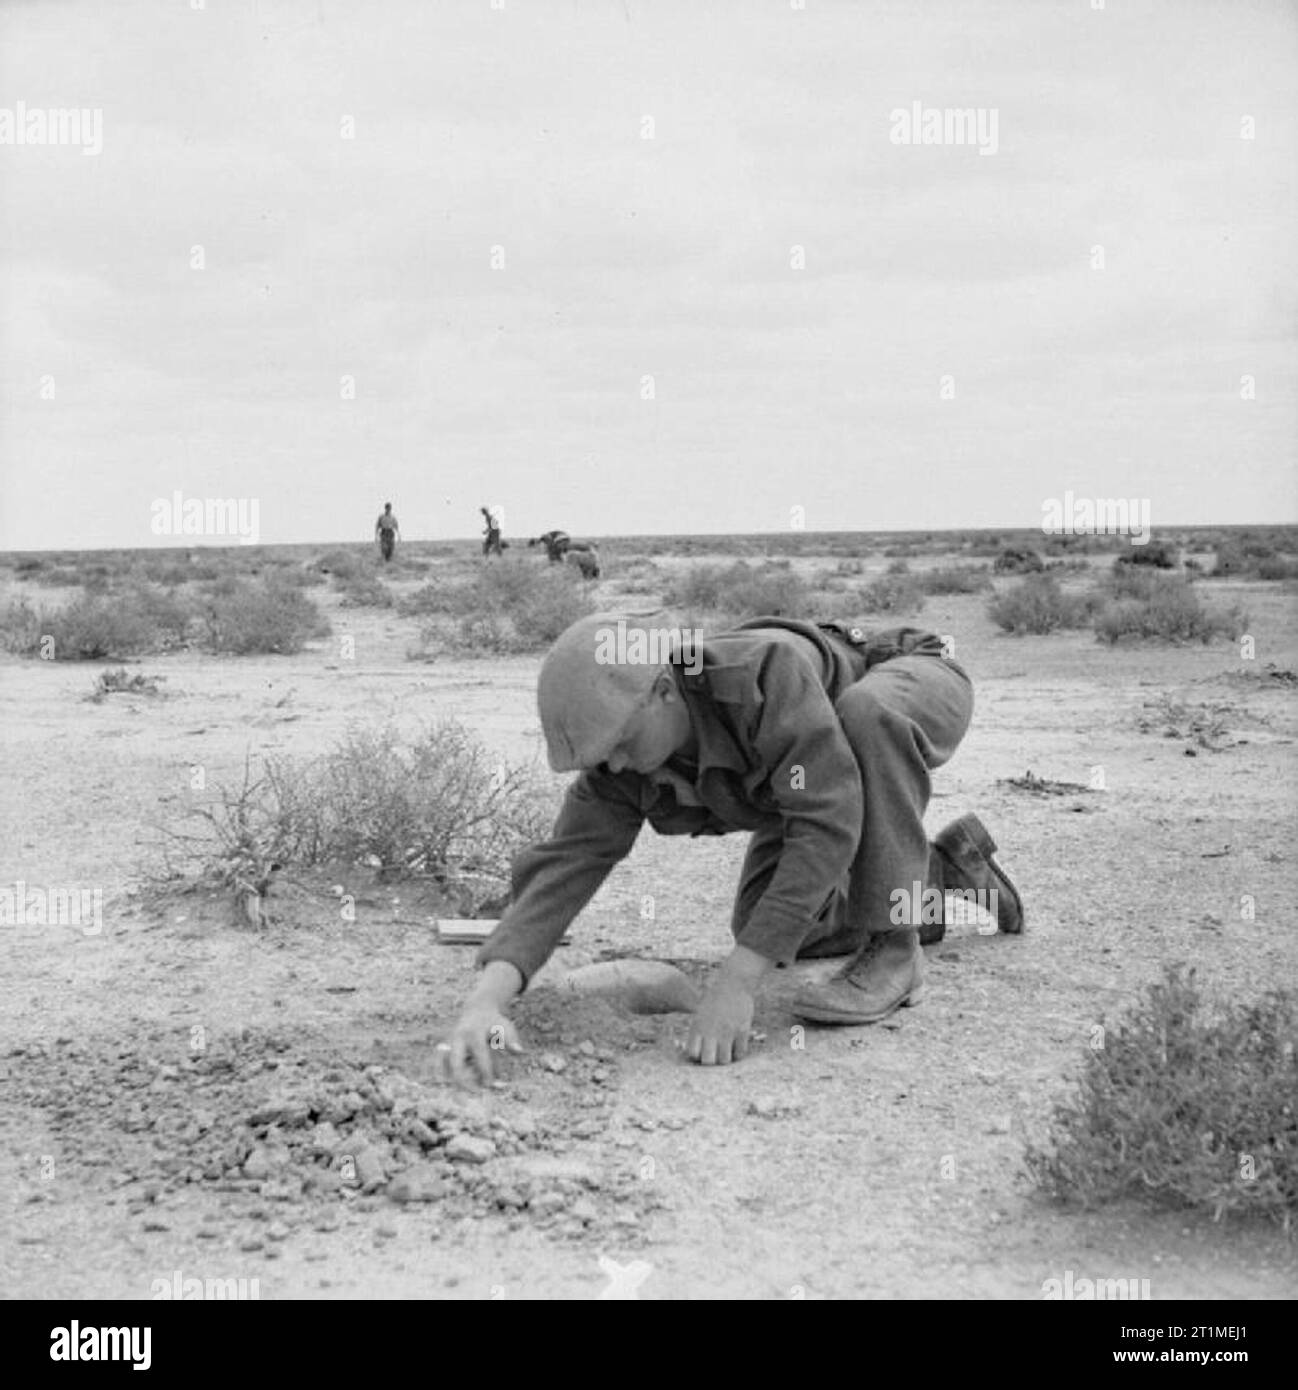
[(385, 531), (491, 543)]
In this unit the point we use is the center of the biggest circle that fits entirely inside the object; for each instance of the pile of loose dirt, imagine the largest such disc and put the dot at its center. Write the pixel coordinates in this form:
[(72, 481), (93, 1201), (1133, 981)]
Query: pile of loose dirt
[(253, 1116)]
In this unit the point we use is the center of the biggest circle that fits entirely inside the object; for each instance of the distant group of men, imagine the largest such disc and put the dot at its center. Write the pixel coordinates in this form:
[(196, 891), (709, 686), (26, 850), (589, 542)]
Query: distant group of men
[(559, 545)]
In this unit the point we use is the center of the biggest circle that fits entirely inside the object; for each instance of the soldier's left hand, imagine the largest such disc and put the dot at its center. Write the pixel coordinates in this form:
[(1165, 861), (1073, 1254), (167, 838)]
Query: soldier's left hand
[(721, 1024)]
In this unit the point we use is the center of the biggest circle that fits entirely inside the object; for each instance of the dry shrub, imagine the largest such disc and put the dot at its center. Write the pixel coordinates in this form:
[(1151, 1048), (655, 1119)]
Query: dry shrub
[(510, 606), (740, 590), (1184, 1106), (892, 593), (439, 806), (1036, 604), (955, 579), (1145, 605), (243, 616)]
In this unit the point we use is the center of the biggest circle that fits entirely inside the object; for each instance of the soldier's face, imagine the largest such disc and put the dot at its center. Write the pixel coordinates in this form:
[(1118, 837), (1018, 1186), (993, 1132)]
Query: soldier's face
[(656, 731)]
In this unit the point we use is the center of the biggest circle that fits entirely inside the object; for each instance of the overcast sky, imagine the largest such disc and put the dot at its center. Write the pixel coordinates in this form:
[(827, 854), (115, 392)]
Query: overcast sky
[(624, 258)]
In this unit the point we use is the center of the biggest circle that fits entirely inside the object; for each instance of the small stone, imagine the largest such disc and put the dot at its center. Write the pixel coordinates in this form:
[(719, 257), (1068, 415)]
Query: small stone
[(999, 1124), (324, 1139), (584, 1210), (153, 1224), (551, 1061), (423, 1135), (586, 1048), (467, 1148), (277, 1230), (600, 1075), (370, 1172), (262, 1161), (251, 1243), (421, 1183), (386, 1232)]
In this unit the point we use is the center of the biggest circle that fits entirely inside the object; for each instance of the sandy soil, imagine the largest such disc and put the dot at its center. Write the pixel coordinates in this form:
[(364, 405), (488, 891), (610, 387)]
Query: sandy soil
[(879, 1162)]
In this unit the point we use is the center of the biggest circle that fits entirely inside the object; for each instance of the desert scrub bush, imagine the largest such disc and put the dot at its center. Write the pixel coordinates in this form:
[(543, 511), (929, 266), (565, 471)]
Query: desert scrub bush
[(509, 607), (740, 590), (640, 576), (1251, 558), (1183, 1105), (1072, 564), (955, 579), (1013, 560), (1164, 608), (337, 563), (892, 593), (20, 627), (121, 682), (92, 626), (439, 806), (366, 591), (1161, 555), (241, 616), (1277, 567), (1037, 604)]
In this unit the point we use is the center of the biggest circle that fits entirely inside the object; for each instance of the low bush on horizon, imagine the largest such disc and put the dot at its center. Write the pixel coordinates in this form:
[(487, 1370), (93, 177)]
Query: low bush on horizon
[(508, 606), (1145, 605), (1037, 605), (242, 616), (740, 590)]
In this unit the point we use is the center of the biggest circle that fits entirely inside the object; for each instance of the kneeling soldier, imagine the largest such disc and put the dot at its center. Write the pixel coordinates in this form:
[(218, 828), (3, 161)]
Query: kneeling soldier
[(817, 739)]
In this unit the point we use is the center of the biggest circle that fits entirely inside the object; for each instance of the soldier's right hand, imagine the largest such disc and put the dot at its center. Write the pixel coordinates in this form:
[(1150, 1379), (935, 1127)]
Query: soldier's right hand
[(481, 1033)]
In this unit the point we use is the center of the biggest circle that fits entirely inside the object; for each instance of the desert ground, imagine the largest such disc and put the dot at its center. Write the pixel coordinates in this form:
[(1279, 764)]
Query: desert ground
[(157, 1077)]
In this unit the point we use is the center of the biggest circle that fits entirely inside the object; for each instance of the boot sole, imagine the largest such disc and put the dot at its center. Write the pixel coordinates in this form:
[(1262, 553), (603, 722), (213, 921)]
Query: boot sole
[(815, 1013)]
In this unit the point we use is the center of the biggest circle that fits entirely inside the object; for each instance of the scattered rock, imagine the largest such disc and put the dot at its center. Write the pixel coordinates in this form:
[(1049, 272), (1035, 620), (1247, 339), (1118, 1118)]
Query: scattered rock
[(264, 1160), (370, 1171), (422, 1183), (467, 1148), (584, 1210)]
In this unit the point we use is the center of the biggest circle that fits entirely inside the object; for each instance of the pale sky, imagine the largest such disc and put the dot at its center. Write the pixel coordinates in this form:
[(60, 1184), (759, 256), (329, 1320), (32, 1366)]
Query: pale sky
[(625, 257)]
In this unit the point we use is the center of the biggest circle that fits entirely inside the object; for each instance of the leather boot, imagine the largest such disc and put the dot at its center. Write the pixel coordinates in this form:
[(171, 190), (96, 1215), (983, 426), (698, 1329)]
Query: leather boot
[(886, 975), (967, 849)]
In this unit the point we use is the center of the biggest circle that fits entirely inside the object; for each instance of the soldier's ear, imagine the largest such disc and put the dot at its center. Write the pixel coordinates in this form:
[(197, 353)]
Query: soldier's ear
[(664, 687)]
